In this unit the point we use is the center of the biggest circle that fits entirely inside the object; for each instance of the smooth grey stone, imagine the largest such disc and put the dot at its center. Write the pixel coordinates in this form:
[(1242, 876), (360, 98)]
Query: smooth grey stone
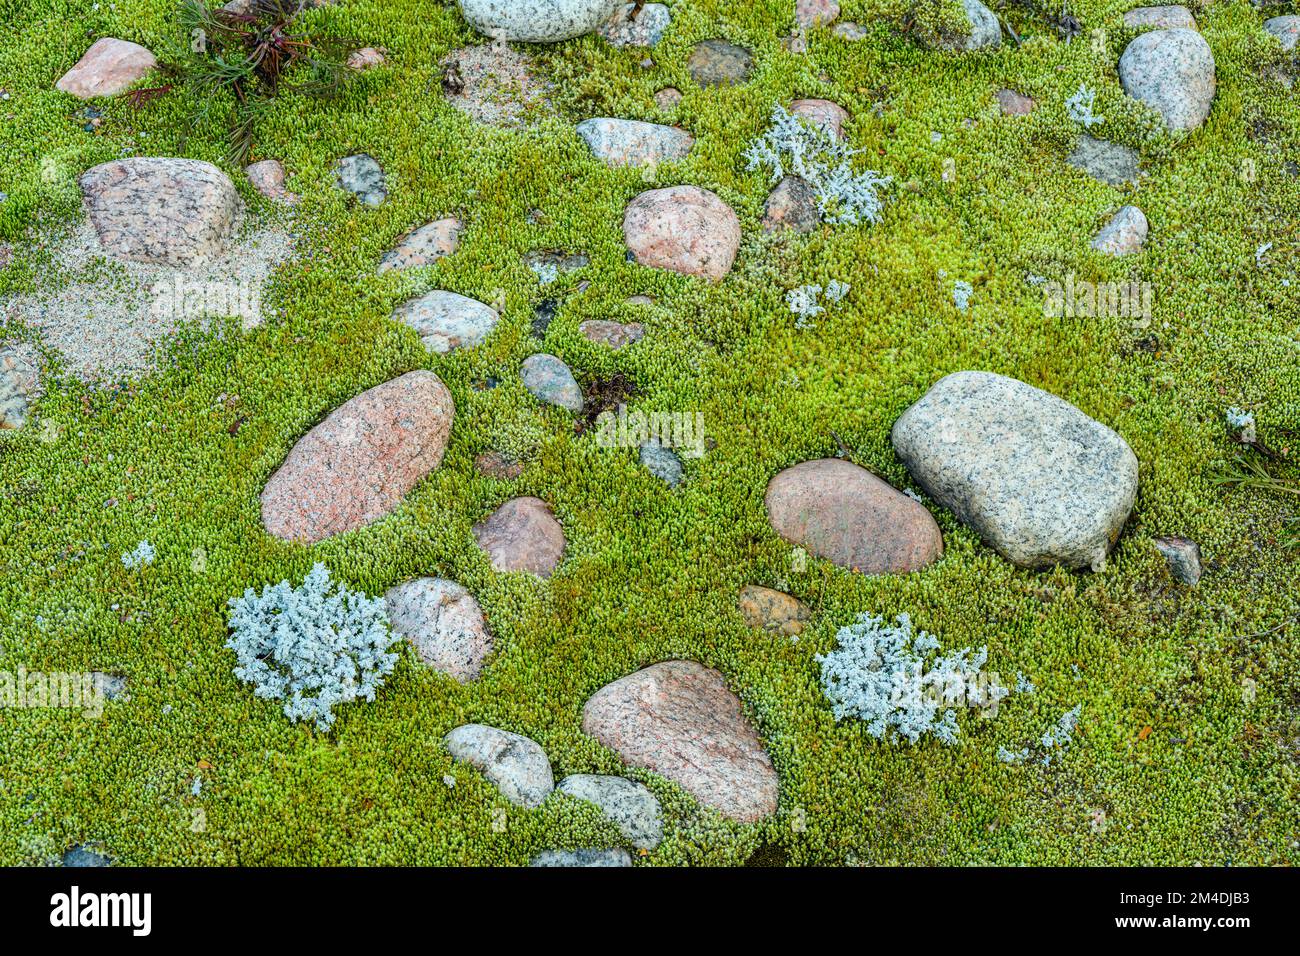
[(615, 857), (624, 142), (1035, 477), (985, 31), (537, 21), (1124, 234), (362, 176), (628, 804), (516, 765), (646, 30), (1106, 162), (1172, 71), (1183, 557), (662, 462), (549, 380), (446, 320), (81, 856)]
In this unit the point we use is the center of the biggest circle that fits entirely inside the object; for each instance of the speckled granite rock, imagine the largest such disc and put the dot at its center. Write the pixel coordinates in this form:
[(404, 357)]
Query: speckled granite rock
[(515, 764), (359, 463), (1171, 71), (791, 204), (1106, 162), (423, 246), (850, 31), (549, 380), (582, 858), (1124, 234), (1163, 18), (661, 462), (1036, 478), (679, 720), (845, 514), (522, 535), (614, 334), (621, 142), (1286, 29), (646, 29), (815, 13), (267, 177), (108, 68), (719, 63), (985, 31), (443, 622), (773, 611), (363, 177), (668, 98), (550, 264), (824, 113), (537, 21), (1014, 104), (684, 229), (20, 384), (628, 804), (446, 320), (1183, 557), (178, 212)]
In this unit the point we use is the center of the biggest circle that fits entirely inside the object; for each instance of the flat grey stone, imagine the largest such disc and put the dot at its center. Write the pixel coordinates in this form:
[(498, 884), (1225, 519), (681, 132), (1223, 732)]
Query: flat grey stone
[(661, 462), (423, 246), (549, 380), (1036, 478), (81, 856), (515, 764), (623, 142), (537, 21), (1162, 18), (628, 804), (20, 384), (362, 176), (1172, 71), (1106, 162), (584, 858), (1286, 29), (719, 63), (446, 320), (985, 31)]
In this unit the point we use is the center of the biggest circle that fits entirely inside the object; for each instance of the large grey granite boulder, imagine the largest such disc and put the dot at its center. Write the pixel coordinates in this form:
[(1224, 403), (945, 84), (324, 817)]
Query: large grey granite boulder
[(515, 764), (681, 721), (628, 804), (177, 212), (537, 21), (443, 622), (1038, 479), (1172, 71)]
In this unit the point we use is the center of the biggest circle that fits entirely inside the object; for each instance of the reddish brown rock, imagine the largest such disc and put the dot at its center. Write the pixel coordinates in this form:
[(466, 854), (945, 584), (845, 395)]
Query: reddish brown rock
[(357, 465), (522, 535), (267, 177), (847, 515), (365, 59), (813, 13), (682, 228), (109, 67), (167, 211), (1014, 104), (614, 334), (681, 721), (773, 611), (791, 205), (824, 113)]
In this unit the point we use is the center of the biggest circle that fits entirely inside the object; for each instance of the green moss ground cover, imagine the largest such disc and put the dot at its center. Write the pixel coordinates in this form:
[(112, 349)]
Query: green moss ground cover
[(651, 573)]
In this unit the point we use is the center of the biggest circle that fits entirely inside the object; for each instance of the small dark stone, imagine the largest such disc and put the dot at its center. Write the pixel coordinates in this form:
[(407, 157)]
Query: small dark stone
[(543, 313), (1183, 557), (81, 856), (452, 81)]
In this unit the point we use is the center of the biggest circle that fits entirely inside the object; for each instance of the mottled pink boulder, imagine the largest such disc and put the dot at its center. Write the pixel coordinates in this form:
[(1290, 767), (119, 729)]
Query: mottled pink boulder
[(365, 59), (614, 334), (683, 228), (522, 535), (360, 462), (175, 212), (845, 514), (109, 67), (267, 177), (681, 721), (829, 115), (812, 13)]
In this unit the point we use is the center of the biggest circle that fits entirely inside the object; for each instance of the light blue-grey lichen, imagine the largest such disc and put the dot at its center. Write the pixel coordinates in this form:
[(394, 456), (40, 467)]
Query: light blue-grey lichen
[(794, 145), (803, 300), (1079, 107), (897, 683), (314, 646), (142, 555), (961, 293)]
